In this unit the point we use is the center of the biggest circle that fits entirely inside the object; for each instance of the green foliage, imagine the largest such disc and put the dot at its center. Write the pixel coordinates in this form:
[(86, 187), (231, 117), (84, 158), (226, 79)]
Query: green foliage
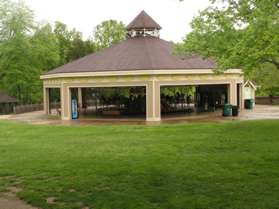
[(239, 34), (71, 44), (27, 49), (15, 19), (118, 95), (178, 90), (267, 80), (108, 33), (45, 48), (64, 40), (16, 58), (23, 60), (79, 48)]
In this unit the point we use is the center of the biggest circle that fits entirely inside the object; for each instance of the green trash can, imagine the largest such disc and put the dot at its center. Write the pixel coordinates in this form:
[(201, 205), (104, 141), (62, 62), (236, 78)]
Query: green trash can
[(227, 110), (252, 102), (249, 104), (235, 111)]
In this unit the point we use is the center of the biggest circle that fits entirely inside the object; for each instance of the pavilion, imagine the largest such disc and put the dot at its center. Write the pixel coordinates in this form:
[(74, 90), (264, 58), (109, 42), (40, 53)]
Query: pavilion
[(7, 103), (142, 60)]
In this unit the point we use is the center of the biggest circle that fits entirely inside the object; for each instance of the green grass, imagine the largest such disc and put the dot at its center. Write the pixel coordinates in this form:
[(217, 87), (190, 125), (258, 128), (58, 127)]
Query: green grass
[(186, 166)]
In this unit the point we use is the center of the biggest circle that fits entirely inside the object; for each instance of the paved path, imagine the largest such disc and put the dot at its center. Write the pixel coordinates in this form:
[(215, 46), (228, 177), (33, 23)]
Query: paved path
[(260, 112)]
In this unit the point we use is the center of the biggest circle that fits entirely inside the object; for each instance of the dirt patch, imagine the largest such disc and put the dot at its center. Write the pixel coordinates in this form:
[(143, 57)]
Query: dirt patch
[(14, 189), (9, 200), (51, 200), (14, 203), (72, 190)]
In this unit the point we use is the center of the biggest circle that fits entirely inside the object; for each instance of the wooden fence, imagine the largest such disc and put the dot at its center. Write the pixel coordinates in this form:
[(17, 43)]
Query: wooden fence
[(265, 100), (28, 108), (6, 108)]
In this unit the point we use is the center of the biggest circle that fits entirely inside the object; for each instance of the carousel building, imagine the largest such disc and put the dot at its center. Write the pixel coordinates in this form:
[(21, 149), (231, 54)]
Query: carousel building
[(142, 60)]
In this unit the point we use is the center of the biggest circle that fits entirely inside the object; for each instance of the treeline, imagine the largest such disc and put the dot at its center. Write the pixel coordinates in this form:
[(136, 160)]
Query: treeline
[(28, 48), (241, 34)]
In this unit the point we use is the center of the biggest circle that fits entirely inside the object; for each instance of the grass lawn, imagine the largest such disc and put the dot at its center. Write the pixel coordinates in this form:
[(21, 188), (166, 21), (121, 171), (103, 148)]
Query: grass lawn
[(185, 166)]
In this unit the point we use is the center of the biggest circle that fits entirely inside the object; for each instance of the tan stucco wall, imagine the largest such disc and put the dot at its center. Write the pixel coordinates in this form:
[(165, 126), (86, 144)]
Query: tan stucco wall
[(152, 82), (46, 101)]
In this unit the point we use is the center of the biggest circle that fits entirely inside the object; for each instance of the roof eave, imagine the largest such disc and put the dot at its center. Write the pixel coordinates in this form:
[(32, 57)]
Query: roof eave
[(137, 72)]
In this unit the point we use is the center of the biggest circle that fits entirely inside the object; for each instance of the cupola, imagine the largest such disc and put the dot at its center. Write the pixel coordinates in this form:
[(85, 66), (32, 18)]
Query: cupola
[(143, 25)]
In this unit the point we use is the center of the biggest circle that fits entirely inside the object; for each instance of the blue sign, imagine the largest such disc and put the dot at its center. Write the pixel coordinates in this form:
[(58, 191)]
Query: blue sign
[(74, 109)]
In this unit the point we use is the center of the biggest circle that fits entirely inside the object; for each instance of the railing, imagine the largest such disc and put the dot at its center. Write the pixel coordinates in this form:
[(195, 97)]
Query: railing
[(266, 100), (28, 108)]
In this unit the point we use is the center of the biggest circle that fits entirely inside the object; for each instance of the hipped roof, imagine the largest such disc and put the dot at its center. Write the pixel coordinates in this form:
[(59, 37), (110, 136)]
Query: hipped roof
[(139, 53), (143, 21)]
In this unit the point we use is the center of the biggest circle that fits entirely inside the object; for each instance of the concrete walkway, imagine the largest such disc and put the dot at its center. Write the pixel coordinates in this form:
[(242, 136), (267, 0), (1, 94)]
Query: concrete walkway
[(260, 112)]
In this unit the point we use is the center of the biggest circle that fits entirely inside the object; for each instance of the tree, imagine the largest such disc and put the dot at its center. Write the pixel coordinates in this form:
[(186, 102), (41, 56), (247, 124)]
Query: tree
[(15, 19), (267, 78), (63, 36), (71, 44), (45, 48), (45, 56), (179, 90), (239, 34), (24, 59), (108, 33), (26, 51), (78, 47)]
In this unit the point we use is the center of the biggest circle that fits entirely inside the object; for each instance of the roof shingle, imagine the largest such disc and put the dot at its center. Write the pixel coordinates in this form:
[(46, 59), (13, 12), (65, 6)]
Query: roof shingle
[(143, 21), (139, 53)]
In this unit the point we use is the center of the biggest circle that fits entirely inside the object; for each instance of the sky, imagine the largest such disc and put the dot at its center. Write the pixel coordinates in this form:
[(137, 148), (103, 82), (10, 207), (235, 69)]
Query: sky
[(174, 16)]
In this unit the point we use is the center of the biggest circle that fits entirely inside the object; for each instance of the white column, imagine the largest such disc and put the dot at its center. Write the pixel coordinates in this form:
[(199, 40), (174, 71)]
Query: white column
[(241, 96), (153, 101), (232, 93), (46, 101), (80, 97), (65, 103)]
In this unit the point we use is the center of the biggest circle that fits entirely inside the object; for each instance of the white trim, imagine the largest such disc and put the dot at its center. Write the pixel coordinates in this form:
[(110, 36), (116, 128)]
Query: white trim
[(139, 72), (251, 84), (94, 85), (194, 82), (52, 86)]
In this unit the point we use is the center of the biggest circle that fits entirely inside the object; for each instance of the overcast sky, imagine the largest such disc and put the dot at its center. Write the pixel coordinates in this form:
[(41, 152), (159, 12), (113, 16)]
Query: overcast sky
[(84, 15)]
